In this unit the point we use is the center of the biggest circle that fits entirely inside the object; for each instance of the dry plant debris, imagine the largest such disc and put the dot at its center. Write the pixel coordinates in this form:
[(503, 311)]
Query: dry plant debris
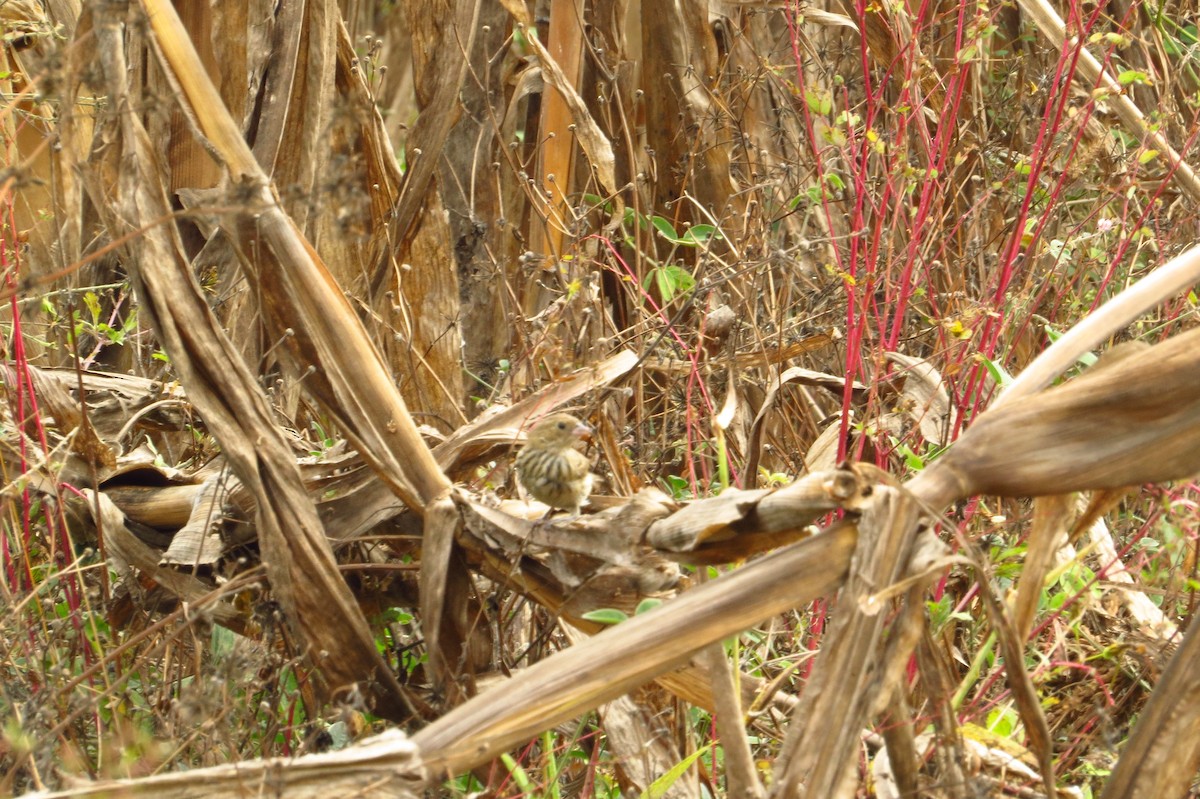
[(287, 286)]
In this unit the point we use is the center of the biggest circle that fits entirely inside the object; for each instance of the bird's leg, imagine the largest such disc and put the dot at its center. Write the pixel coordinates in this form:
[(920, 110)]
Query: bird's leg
[(547, 516)]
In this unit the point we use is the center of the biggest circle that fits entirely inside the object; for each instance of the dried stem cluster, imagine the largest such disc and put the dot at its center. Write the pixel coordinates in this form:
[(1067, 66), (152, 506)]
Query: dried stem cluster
[(609, 245)]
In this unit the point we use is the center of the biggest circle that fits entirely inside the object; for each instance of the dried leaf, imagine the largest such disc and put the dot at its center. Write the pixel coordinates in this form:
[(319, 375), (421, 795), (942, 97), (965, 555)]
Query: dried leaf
[(927, 402), (1046, 537), (729, 407), (317, 604), (1136, 421), (823, 453), (126, 547), (633, 652), (591, 137), (805, 377), (198, 542)]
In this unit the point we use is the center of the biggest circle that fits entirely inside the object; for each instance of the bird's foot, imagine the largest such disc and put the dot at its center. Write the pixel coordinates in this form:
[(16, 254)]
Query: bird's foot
[(571, 516)]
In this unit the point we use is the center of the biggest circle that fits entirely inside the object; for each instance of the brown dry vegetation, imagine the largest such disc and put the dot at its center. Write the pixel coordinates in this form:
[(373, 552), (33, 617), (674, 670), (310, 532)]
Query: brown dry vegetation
[(284, 284)]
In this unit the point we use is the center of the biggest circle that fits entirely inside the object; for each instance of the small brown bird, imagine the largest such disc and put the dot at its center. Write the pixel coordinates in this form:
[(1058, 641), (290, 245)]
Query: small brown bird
[(549, 467)]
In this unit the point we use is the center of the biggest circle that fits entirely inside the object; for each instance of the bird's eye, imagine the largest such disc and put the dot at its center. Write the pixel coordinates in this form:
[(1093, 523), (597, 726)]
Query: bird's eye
[(562, 425)]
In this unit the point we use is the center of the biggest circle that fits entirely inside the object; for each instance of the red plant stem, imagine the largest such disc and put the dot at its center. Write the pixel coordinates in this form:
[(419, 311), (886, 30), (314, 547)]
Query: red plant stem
[(847, 267), (22, 385), (945, 133), (694, 380), (1056, 105)]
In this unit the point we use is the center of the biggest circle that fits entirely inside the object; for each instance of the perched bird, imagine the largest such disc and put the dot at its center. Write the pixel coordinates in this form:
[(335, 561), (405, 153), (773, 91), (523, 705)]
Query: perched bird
[(550, 468)]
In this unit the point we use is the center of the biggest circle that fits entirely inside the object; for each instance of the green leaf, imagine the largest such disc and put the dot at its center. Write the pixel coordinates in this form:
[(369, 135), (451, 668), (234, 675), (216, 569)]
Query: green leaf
[(1130, 77), (520, 778), (1087, 359), (339, 733), (606, 616), (818, 102), (1003, 722), (999, 374), (679, 486), (835, 136), (700, 234), (660, 786), (664, 227), (93, 305), (646, 605), (911, 459), (670, 280)]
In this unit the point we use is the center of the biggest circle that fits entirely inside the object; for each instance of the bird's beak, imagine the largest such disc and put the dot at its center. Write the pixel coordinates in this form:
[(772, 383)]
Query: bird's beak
[(582, 431)]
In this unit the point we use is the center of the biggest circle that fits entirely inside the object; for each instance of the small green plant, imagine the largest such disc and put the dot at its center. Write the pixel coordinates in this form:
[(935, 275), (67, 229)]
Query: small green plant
[(769, 479), (912, 459), (662, 785), (941, 613), (678, 487), (615, 616), (670, 280), (325, 441)]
